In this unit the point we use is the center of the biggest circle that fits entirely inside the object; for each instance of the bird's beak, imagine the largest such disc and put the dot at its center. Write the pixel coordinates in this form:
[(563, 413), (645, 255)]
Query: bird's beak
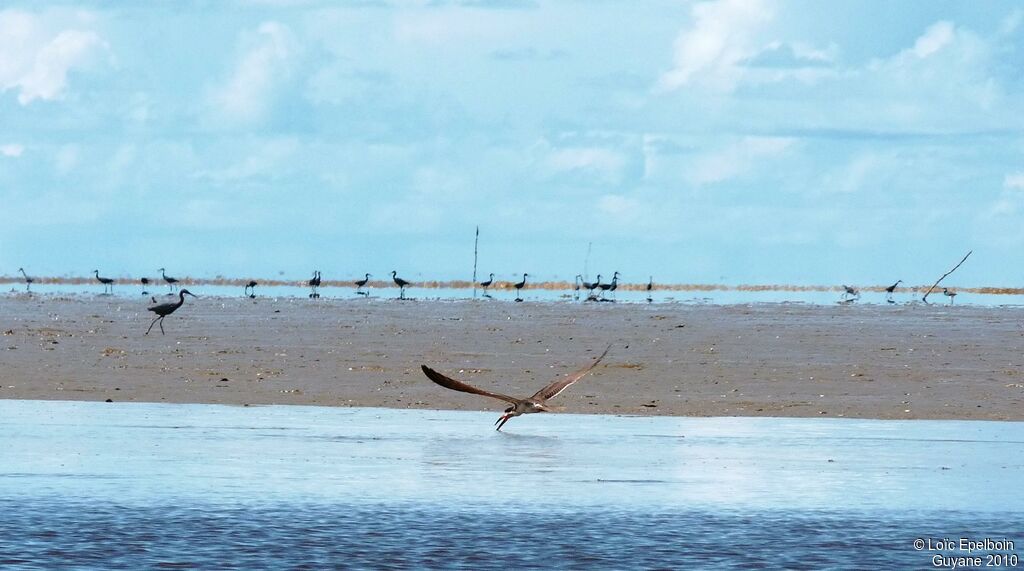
[(504, 418)]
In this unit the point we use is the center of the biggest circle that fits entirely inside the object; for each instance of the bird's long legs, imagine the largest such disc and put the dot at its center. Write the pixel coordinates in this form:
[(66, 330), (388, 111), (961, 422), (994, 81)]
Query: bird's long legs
[(159, 318)]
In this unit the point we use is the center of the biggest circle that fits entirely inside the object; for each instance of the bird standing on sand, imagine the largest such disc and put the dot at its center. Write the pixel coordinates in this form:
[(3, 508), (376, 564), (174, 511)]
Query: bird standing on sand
[(535, 403), (165, 309), (949, 294), (519, 287), (591, 287), (400, 283), (314, 285), (145, 283), (487, 284), (850, 293), (250, 286), (361, 283), (107, 282), (170, 281), (610, 286), (28, 280), (889, 290)]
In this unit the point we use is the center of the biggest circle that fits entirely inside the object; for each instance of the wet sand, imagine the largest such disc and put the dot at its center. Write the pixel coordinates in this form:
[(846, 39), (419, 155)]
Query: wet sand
[(892, 362)]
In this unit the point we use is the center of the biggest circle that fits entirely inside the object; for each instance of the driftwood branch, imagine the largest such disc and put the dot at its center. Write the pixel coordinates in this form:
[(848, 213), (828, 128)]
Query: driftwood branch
[(925, 298), (476, 245)]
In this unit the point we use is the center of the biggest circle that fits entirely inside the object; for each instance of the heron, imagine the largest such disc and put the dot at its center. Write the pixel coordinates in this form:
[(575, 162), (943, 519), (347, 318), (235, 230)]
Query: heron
[(536, 403), (487, 284), (850, 293), (170, 281), (145, 283), (314, 285), (949, 294), (889, 290), (250, 286), (361, 283), (650, 288), (107, 282), (401, 284), (28, 280), (519, 287), (165, 309), (610, 286)]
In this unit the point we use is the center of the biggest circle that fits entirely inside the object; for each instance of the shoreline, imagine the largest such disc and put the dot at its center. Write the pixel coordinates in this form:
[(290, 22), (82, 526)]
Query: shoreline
[(778, 360)]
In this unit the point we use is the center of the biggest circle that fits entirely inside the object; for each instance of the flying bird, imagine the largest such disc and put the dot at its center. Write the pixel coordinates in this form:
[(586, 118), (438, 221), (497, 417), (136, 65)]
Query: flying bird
[(165, 309), (536, 403)]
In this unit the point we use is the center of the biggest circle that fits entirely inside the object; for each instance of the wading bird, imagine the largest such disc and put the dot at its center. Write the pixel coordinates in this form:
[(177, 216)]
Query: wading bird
[(519, 287), (949, 294), (361, 283), (487, 284), (401, 284), (591, 287), (107, 282), (536, 403), (650, 287), (610, 286), (850, 293), (170, 281), (314, 285), (145, 283), (28, 280), (165, 309), (889, 290), (250, 286)]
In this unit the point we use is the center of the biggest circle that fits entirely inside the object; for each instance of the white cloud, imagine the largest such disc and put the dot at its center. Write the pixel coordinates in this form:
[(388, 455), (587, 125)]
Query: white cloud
[(605, 164), (1014, 181), (939, 35), (247, 93), (12, 150), (736, 159), (724, 34), (623, 208), (38, 52)]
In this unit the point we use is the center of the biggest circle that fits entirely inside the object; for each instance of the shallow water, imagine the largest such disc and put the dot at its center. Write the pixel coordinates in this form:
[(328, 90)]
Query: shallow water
[(134, 485), (712, 297)]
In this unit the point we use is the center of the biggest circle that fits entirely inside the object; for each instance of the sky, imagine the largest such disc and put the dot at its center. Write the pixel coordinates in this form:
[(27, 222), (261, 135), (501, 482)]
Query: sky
[(726, 141)]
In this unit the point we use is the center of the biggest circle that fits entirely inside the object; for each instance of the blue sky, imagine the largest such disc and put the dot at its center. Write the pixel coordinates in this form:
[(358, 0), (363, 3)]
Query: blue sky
[(753, 141)]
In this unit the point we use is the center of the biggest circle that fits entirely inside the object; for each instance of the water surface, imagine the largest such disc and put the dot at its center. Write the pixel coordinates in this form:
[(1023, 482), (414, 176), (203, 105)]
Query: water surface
[(110, 485)]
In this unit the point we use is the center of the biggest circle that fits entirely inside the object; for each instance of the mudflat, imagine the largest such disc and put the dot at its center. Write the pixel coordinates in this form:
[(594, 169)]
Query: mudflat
[(865, 361)]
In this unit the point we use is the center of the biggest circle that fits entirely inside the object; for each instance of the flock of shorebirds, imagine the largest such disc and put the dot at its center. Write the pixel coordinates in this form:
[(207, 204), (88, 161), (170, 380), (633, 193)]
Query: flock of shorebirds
[(538, 402)]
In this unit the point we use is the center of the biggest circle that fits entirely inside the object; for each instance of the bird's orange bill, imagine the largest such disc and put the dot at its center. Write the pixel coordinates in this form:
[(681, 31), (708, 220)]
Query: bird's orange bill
[(450, 383), (559, 385)]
